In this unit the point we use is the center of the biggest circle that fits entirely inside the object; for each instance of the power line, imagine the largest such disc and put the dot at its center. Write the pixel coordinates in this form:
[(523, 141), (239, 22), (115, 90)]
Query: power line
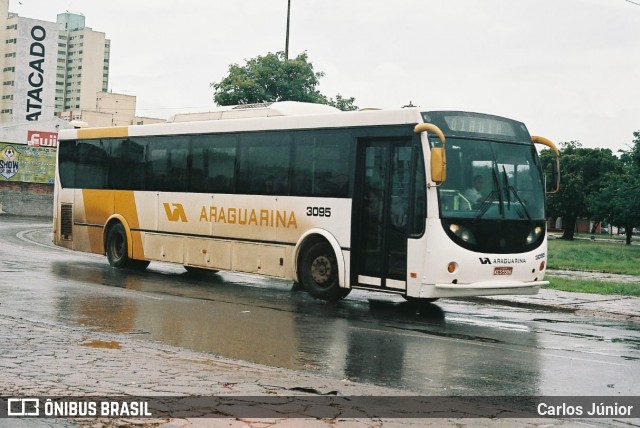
[(632, 2)]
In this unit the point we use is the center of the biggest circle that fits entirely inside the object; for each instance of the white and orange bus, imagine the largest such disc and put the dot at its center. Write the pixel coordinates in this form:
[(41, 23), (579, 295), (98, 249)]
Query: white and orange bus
[(332, 200)]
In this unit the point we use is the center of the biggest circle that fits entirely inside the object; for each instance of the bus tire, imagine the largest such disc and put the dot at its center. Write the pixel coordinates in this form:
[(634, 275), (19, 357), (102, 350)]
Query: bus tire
[(117, 249), (319, 273)]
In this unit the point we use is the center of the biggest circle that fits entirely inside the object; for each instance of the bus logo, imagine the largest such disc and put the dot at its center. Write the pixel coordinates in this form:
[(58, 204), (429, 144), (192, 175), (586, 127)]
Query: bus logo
[(175, 214), (485, 261)]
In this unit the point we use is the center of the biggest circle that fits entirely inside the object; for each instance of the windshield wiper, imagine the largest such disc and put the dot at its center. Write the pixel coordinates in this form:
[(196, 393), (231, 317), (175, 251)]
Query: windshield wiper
[(511, 189), (499, 189), (505, 183), (492, 197), (485, 205)]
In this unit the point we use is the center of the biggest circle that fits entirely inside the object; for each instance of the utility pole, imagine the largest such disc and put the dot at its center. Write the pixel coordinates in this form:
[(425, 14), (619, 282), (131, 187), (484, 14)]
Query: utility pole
[(286, 47)]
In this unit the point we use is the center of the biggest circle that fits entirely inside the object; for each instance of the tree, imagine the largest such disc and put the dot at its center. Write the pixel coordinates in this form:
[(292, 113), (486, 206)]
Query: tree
[(344, 104), (619, 200), (273, 78), (582, 171)]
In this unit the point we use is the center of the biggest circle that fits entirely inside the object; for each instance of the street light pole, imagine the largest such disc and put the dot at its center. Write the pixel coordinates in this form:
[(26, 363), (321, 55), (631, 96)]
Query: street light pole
[(286, 47)]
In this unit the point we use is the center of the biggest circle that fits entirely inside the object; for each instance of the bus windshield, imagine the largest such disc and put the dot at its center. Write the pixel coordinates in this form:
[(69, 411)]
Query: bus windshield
[(490, 180)]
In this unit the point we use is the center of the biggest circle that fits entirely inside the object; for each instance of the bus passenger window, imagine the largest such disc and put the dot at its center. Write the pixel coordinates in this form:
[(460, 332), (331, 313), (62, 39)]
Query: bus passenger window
[(213, 161), (67, 164), (264, 164), (126, 169), (92, 164), (321, 165), (167, 164)]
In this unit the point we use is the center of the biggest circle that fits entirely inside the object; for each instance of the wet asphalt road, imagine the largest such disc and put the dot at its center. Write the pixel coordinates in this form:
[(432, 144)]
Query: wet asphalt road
[(453, 347)]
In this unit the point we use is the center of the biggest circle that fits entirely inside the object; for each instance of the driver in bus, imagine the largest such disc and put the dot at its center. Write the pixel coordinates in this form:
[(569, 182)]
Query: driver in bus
[(474, 193)]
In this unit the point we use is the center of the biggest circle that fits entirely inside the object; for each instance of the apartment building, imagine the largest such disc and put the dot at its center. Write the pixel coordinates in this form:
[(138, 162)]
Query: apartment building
[(83, 64), (50, 67)]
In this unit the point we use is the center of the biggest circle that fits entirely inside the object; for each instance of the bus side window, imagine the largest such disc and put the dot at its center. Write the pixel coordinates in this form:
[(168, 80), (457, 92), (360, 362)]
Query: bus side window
[(167, 164), (321, 164), (264, 164), (212, 160), (92, 164), (67, 167), (420, 196), (126, 169)]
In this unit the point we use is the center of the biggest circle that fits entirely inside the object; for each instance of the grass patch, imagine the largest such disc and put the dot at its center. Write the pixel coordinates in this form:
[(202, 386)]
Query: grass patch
[(593, 286), (610, 257)]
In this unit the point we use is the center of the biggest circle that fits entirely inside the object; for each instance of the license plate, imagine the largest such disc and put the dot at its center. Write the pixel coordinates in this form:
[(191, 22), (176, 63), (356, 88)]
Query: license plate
[(502, 270)]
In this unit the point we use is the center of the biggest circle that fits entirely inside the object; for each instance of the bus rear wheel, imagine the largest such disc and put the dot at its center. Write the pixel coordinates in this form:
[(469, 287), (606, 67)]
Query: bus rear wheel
[(118, 249), (319, 273)]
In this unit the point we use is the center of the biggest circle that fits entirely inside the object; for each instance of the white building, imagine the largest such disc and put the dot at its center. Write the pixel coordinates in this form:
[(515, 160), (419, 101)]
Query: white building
[(29, 70), (110, 109), (49, 67), (83, 64), (57, 70)]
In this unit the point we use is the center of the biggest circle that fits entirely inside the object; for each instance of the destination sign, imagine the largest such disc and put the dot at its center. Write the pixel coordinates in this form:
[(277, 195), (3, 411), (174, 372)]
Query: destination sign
[(477, 125), (480, 125)]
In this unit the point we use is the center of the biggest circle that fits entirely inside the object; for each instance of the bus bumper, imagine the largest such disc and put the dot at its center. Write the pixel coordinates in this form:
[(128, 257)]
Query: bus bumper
[(487, 288)]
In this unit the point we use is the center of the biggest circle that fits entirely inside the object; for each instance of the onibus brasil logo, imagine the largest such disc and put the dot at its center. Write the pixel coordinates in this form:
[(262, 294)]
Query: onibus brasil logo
[(9, 162)]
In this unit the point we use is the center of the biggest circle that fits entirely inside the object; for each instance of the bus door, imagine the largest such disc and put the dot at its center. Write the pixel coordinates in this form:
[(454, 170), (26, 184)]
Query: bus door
[(381, 213)]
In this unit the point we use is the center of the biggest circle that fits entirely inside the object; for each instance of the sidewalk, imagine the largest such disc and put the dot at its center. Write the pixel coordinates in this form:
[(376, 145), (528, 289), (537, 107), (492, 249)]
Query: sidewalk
[(600, 305)]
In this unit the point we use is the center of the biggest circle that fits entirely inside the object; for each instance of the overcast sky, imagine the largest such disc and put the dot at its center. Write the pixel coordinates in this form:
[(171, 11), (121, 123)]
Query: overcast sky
[(569, 69)]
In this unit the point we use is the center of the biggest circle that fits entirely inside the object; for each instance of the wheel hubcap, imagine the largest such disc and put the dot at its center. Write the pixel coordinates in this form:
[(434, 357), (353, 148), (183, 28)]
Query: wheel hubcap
[(118, 247), (321, 269)]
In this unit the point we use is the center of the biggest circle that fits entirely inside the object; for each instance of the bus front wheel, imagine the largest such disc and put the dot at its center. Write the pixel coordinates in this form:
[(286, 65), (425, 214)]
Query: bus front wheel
[(319, 273), (118, 250)]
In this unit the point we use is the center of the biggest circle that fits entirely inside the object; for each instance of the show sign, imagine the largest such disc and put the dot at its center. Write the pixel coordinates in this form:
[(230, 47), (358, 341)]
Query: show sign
[(27, 164)]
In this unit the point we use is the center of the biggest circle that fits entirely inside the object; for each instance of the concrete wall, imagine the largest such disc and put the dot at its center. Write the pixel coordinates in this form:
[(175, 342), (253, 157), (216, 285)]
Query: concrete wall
[(28, 199)]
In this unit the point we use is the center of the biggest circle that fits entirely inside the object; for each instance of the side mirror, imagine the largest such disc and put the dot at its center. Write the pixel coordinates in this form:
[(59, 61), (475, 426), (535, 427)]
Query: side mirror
[(552, 183), (438, 154), (438, 164)]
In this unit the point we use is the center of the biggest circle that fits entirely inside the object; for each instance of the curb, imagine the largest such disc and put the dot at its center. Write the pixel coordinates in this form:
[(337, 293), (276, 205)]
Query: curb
[(602, 309)]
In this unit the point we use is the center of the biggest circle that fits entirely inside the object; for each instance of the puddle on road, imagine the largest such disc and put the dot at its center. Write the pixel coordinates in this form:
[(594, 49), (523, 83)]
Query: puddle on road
[(102, 344)]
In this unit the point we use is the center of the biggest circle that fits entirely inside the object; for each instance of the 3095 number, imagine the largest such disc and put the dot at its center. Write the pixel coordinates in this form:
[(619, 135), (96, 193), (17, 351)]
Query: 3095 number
[(318, 211)]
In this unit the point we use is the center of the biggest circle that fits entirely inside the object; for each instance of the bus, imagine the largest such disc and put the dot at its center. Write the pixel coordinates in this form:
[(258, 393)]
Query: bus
[(331, 200)]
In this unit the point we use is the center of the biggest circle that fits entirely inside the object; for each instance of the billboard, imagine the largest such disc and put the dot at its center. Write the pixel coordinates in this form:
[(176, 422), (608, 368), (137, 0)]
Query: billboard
[(42, 139), (27, 164), (36, 65)]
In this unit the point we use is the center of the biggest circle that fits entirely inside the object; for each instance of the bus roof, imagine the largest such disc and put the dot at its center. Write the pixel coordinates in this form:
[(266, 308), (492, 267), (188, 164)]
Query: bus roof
[(244, 111), (335, 119)]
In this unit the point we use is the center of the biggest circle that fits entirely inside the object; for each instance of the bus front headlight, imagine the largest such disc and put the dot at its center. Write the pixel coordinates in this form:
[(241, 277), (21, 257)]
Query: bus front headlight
[(463, 233), (534, 235)]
